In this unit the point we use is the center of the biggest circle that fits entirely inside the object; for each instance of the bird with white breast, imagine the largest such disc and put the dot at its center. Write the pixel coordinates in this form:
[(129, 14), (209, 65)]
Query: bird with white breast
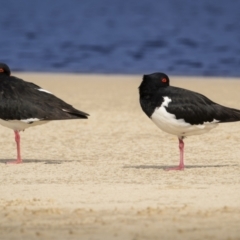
[(24, 104), (179, 111)]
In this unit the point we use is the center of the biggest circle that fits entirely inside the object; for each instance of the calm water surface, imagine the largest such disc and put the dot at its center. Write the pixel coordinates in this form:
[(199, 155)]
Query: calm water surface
[(181, 37)]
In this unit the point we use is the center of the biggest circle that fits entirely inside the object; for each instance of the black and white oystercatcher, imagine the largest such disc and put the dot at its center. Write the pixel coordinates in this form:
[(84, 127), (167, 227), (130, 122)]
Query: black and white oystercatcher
[(179, 111), (24, 104)]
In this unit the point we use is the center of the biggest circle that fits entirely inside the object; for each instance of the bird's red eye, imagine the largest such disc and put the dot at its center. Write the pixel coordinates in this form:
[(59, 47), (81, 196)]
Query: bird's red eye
[(1, 70), (164, 80)]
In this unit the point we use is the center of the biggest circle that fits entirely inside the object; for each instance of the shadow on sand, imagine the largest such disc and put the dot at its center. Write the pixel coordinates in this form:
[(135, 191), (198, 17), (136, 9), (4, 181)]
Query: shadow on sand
[(46, 161), (186, 167)]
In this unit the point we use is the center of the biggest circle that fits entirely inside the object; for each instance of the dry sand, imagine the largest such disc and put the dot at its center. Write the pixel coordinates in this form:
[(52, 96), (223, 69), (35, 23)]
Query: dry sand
[(104, 178)]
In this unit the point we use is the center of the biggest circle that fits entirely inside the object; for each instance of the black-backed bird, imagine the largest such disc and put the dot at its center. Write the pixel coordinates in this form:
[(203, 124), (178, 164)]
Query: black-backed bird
[(181, 112), (24, 104)]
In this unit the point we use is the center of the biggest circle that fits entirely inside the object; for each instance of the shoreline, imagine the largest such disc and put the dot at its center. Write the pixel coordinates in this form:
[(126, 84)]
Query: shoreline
[(104, 178)]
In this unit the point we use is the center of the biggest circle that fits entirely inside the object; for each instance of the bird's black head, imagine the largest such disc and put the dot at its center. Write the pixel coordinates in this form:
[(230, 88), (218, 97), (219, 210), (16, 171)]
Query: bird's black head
[(4, 69), (153, 82)]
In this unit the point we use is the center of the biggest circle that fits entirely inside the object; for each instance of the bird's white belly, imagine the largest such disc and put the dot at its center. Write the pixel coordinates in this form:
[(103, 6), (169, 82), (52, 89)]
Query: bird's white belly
[(19, 125), (167, 122)]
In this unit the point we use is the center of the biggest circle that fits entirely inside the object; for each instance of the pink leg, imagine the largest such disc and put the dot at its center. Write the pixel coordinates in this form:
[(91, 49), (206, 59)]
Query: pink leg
[(17, 139), (181, 163)]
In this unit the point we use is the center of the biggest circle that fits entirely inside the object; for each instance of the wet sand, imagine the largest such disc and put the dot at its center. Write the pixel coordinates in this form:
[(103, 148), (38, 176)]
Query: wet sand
[(104, 178)]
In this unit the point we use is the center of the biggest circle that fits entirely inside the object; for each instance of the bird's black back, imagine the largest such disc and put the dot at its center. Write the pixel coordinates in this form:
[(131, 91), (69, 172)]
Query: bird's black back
[(191, 106), (23, 100)]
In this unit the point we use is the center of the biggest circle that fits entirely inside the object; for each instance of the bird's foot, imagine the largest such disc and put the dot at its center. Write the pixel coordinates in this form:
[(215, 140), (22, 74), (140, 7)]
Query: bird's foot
[(15, 162), (180, 167)]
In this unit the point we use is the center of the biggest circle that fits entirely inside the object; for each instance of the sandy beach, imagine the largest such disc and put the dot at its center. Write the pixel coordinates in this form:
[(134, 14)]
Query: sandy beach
[(104, 178)]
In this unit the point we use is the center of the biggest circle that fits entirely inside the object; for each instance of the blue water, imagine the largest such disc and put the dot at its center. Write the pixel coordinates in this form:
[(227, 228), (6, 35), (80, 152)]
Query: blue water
[(181, 37)]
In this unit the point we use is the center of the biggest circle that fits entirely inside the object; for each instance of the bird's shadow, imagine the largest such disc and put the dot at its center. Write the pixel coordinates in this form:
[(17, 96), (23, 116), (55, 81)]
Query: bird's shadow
[(46, 161), (165, 167)]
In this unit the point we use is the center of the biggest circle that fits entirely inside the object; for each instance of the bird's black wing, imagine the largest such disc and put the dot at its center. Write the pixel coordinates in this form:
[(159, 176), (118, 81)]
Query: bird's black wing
[(195, 108), (24, 100)]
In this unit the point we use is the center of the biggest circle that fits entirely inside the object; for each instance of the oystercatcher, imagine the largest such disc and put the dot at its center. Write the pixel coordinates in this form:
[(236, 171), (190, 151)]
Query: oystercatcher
[(181, 112), (24, 104)]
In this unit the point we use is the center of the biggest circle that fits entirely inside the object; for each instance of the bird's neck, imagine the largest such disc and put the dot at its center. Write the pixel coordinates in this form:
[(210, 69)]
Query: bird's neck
[(147, 104), (149, 99)]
